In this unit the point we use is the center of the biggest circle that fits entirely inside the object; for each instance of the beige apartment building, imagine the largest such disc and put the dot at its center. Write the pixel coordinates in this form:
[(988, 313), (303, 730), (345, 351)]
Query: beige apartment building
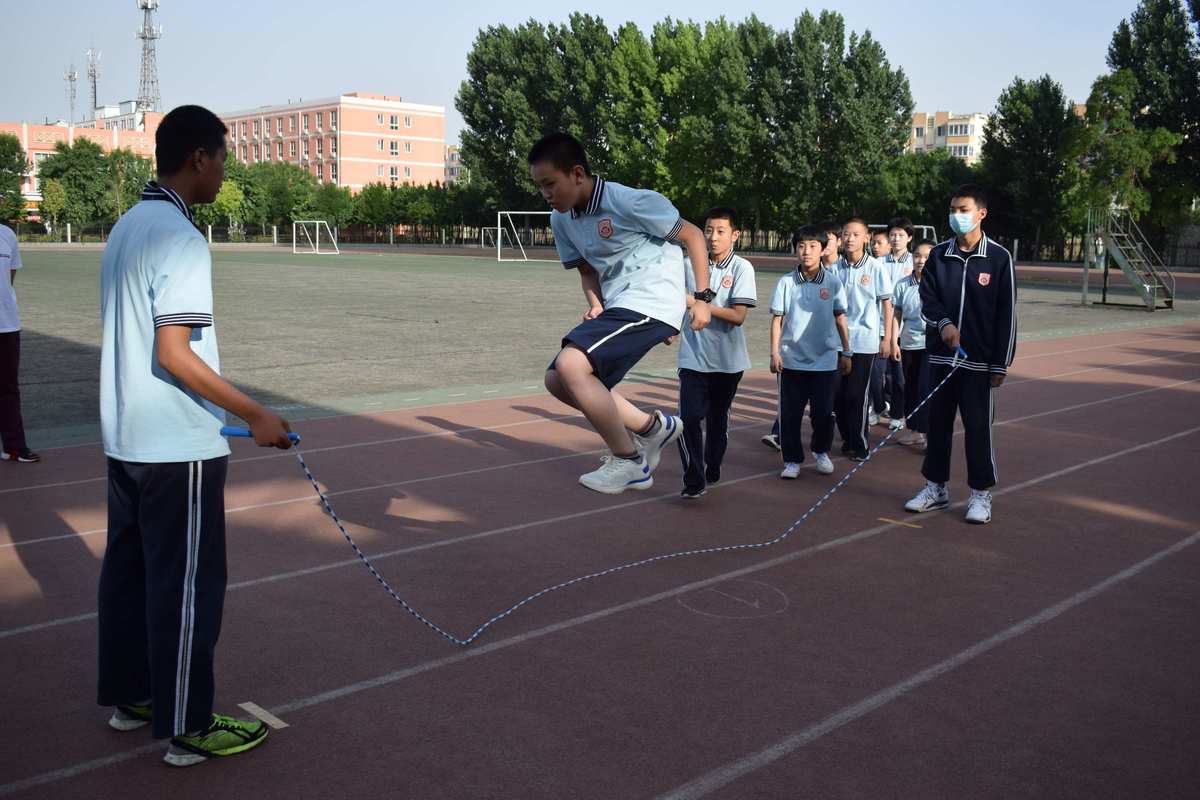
[(350, 140), (961, 134)]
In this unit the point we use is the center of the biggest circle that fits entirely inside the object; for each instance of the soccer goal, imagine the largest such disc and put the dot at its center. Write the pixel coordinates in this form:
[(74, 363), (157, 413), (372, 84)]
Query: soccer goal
[(524, 236), (314, 236)]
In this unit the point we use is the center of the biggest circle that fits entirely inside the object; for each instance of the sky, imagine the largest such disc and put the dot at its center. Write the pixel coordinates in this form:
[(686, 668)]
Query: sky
[(957, 56)]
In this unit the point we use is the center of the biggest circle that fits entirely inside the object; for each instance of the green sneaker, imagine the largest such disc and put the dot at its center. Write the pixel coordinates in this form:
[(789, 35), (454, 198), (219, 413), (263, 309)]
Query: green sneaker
[(130, 718), (224, 736)]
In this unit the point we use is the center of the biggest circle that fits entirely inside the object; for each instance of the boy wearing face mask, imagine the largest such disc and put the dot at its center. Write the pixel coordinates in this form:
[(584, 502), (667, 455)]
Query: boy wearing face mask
[(968, 300)]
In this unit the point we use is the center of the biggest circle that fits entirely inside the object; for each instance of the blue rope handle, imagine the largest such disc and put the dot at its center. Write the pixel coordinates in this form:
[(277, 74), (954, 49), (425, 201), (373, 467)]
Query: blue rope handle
[(244, 433)]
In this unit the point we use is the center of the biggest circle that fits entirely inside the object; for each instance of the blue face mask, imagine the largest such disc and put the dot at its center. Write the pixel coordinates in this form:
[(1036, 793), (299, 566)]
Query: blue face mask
[(962, 224)]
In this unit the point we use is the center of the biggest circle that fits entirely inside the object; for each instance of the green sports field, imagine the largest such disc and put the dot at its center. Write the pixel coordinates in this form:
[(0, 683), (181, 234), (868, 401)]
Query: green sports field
[(320, 335)]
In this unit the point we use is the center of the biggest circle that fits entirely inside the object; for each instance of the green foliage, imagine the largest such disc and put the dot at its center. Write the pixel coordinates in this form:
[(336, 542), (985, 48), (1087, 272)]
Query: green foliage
[(12, 171), (785, 126), (1118, 155), (82, 169), (127, 176), (1159, 47), (333, 204), (917, 186), (54, 200), (1029, 149), (229, 208)]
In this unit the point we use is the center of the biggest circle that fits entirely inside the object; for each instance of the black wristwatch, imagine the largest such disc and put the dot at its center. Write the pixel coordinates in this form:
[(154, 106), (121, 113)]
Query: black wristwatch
[(706, 296)]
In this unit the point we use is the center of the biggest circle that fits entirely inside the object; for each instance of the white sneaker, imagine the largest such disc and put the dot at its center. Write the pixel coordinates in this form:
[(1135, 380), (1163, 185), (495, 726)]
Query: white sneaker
[(896, 424), (791, 471), (913, 439), (979, 508), (771, 441), (651, 447), (872, 418), (931, 498), (824, 463), (618, 474)]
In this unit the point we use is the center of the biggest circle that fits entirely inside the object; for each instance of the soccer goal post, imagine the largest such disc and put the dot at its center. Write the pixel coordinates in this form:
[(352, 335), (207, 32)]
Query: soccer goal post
[(524, 236), (314, 236)]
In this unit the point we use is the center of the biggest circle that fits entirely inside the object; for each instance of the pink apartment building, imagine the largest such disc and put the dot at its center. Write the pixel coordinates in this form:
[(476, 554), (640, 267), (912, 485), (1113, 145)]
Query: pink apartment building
[(38, 141), (350, 140)]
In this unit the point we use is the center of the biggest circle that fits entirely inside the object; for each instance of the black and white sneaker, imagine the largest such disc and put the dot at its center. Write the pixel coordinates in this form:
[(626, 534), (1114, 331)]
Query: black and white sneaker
[(931, 498), (24, 455), (692, 494), (771, 441)]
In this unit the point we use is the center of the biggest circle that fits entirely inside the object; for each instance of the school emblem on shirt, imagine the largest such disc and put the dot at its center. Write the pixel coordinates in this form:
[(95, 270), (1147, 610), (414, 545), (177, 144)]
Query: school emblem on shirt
[(865, 280), (824, 294), (604, 228), (727, 282), (985, 278)]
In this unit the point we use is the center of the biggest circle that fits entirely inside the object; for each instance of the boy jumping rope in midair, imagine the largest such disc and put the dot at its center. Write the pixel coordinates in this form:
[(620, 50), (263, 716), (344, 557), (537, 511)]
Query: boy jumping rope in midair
[(624, 242)]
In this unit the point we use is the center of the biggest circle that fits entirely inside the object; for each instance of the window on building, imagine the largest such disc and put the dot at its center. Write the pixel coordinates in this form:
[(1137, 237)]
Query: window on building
[(291, 149), (292, 124), (320, 117), (379, 119), (394, 173), (257, 131), (379, 145), (408, 122), (408, 172), (255, 151), (243, 129), (379, 170), (333, 147), (394, 147), (279, 126), (941, 131), (320, 172), (919, 133), (408, 147), (304, 122), (320, 146), (394, 122), (333, 173), (279, 150), (245, 153), (306, 148), (333, 120)]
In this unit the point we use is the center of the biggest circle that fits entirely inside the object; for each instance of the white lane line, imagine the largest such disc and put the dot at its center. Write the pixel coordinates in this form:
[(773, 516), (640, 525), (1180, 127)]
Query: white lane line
[(257, 711), (477, 651), (728, 773)]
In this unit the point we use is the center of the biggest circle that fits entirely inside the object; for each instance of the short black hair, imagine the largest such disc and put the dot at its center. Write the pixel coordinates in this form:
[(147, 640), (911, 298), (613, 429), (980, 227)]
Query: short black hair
[(878, 232), (903, 223), (920, 242), (723, 212), (831, 228), (562, 150), (858, 221), (810, 233), (973, 191), (182, 132)]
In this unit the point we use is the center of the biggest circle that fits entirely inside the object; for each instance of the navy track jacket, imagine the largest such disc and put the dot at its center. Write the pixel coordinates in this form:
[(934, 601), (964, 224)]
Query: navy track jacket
[(977, 293)]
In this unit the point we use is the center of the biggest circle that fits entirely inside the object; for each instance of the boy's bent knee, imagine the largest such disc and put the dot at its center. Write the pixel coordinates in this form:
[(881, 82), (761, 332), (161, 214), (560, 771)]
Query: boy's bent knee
[(572, 363)]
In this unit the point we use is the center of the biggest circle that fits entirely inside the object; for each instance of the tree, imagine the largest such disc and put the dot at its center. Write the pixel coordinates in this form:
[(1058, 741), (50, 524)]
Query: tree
[(227, 209), (1029, 146), (1159, 47), (373, 205), (1116, 154), (82, 168), (13, 166), (918, 186), (127, 175), (333, 204), (636, 136), (282, 192), (54, 200)]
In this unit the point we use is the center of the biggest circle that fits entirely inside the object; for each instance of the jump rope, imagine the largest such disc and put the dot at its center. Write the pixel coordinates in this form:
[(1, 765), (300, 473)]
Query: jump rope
[(702, 551)]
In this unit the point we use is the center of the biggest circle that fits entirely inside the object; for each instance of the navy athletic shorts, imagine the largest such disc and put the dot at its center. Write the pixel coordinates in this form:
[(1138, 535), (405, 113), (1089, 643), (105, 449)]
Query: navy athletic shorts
[(616, 340)]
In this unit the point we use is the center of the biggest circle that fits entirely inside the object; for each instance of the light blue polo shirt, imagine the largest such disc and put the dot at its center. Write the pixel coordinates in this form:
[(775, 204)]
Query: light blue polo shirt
[(628, 236), (867, 285), (721, 346), (156, 271), (897, 270), (907, 300), (809, 339)]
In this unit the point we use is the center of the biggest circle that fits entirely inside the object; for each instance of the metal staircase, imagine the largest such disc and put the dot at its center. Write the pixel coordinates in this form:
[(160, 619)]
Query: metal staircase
[(1120, 241)]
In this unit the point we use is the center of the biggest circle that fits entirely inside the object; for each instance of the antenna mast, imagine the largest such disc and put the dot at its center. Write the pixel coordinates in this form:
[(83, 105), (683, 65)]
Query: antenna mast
[(70, 76), (148, 99), (93, 72)]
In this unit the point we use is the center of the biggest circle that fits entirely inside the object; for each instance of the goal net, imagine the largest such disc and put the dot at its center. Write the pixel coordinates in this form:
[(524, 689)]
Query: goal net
[(313, 236), (524, 236)]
